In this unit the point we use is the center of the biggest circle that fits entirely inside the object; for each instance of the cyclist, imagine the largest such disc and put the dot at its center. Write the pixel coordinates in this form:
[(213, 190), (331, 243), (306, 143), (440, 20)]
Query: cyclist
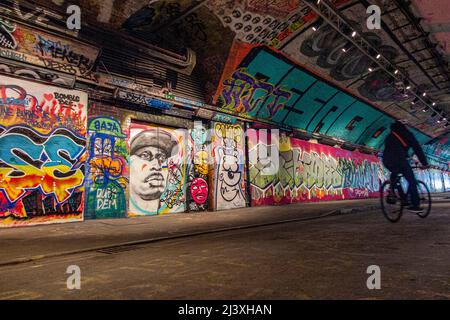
[(395, 159)]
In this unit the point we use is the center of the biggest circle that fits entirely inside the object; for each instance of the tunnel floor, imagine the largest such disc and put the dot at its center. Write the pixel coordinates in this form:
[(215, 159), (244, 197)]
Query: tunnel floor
[(316, 259)]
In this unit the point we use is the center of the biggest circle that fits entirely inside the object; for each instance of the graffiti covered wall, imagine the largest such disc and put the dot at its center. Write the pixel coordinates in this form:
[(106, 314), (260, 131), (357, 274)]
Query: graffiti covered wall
[(198, 185), (293, 170), (158, 166), (106, 181), (229, 176), (42, 153), (25, 44)]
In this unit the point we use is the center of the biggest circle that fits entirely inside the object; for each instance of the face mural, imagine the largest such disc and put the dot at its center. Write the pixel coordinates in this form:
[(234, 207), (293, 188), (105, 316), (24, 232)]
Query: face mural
[(157, 170), (199, 169), (229, 157), (106, 169), (308, 172), (199, 191), (42, 153)]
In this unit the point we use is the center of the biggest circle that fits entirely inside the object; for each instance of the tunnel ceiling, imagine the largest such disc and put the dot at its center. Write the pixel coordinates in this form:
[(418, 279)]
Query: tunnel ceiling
[(292, 75), (436, 20)]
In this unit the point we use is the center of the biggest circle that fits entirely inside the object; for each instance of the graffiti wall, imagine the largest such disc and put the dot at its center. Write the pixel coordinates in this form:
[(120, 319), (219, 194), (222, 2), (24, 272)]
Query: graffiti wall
[(198, 185), (264, 84), (291, 170), (42, 153), (158, 167), (106, 180), (22, 43), (229, 176)]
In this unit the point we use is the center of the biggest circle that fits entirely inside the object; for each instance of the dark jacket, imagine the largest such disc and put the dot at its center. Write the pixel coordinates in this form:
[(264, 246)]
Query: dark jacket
[(397, 145)]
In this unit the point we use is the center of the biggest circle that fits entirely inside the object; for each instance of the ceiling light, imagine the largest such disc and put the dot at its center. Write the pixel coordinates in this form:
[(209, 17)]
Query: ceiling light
[(347, 46), (316, 25), (378, 56), (407, 84), (353, 34)]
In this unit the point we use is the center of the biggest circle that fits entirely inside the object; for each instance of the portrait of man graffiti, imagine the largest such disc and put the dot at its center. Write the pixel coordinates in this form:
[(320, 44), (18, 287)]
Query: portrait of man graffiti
[(150, 151)]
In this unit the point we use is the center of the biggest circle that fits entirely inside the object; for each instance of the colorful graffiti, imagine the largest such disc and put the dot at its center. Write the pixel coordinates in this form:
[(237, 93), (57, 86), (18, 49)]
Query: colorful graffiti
[(42, 153), (106, 181), (327, 46), (228, 152), (199, 168), (245, 94), (308, 172), (158, 166), (22, 43), (37, 74)]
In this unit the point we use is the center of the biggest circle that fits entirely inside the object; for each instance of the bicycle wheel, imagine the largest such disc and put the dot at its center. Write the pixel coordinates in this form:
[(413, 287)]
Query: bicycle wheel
[(425, 199), (391, 203)]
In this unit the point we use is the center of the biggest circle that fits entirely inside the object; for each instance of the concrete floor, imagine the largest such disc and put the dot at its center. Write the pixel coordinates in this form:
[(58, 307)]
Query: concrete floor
[(317, 259)]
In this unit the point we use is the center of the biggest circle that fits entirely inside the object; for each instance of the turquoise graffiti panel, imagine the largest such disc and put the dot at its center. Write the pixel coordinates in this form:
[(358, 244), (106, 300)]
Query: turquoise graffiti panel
[(274, 73), (329, 112), (296, 82), (353, 122), (316, 105), (340, 102), (310, 104)]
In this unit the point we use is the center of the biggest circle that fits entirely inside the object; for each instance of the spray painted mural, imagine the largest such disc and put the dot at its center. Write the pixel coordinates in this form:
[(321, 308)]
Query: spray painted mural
[(106, 181), (228, 153), (157, 170), (286, 170), (22, 43), (262, 83), (42, 153), (198, 188)]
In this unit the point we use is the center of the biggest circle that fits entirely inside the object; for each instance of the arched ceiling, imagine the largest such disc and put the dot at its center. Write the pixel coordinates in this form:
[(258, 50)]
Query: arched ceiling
[(290, 74)]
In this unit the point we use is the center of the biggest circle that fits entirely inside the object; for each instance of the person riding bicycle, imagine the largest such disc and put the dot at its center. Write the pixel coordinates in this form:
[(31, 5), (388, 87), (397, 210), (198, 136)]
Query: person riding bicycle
[(395, 159)]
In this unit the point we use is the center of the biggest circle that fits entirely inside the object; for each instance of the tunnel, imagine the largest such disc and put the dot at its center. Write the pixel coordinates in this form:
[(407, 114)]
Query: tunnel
[(148, 108)]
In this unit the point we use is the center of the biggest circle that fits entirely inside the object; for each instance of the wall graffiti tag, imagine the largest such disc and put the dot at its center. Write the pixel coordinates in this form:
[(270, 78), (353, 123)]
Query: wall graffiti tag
[(228, 151), (22, 43), (138, 98), (198, 168), (42, 153), (106, 181), (7, 39), (37, 74), (310, 172), (243, 93), (326, 45)]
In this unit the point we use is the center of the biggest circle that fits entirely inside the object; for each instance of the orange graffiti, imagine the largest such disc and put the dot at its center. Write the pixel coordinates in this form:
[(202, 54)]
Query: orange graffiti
[(101, 165), (16, 186)]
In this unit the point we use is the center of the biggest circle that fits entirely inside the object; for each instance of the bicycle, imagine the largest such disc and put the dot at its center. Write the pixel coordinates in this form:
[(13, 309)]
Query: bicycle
[(393, 198)]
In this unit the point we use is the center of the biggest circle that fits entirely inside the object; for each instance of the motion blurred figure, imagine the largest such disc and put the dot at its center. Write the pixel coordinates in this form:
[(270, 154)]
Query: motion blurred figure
[(395, 158)]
